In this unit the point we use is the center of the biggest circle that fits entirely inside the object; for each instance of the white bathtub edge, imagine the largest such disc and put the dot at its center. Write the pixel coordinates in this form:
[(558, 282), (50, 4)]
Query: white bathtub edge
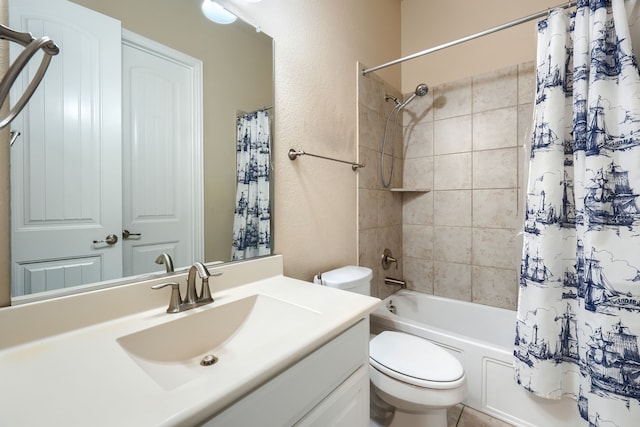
[(489, 369)]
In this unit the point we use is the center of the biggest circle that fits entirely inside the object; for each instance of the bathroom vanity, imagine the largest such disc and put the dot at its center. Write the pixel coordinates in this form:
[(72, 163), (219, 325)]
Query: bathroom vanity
[(269, 351)]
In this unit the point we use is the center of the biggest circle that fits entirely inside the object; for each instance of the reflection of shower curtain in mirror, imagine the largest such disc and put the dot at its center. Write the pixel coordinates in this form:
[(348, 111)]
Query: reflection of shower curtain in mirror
[(252, 219), (578, 328)]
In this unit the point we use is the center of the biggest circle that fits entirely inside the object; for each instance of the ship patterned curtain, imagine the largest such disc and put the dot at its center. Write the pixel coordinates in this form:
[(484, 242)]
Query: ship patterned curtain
[(578, 319), (252, 217)]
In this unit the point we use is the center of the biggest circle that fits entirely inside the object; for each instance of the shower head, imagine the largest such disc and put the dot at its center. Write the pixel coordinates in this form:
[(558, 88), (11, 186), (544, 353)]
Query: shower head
[(421, 90)]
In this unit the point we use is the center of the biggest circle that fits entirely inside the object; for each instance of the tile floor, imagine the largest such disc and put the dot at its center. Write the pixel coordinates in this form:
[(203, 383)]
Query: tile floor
[(458, 416), (464, 416), (381, 415)]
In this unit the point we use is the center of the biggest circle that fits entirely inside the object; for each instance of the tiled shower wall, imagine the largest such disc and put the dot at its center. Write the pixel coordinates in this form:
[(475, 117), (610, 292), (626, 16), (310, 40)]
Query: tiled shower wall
[(463, 141), (379, 210)]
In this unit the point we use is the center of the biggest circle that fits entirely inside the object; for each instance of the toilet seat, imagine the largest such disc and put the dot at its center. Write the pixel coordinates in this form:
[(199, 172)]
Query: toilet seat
[(415, 361)]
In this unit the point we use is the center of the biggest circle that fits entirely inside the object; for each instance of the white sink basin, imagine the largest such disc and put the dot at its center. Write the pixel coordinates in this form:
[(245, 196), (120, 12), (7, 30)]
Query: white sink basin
[(170, 353)]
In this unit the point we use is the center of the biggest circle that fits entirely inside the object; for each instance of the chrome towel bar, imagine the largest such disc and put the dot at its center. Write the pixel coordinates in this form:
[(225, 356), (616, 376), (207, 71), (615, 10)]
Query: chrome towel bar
[(293, 154)]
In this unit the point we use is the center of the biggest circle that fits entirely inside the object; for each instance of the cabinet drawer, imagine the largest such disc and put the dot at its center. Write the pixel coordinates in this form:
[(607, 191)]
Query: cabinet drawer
[(347, 406), (286, 398)]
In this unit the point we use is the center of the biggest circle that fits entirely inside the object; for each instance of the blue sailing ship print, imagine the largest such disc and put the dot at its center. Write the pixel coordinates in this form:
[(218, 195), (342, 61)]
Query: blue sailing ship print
[(548, 79), (569, 284), (250, 237), (605, 54), (577, 327), (567, 350), (533, 270), (568, 215), (613, 361), (610, 199), (544, 213), (538, 347), (580, 119), (533, 350), (543, 137), (252, 214), (574, 276), (596, 134), (520, 348), (595, 288), (593, 136), (588, 282)]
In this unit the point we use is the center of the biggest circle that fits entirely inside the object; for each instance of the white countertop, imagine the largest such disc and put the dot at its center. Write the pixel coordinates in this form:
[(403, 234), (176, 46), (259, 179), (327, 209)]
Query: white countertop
[(84, 377)]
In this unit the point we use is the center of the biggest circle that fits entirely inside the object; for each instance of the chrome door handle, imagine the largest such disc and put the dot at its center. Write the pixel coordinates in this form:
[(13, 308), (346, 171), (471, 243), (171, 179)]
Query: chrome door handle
[(111, 239), (126, 234)]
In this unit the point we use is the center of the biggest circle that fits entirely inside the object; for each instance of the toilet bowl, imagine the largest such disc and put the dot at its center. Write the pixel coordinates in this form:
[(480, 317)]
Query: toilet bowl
[(419, 379)]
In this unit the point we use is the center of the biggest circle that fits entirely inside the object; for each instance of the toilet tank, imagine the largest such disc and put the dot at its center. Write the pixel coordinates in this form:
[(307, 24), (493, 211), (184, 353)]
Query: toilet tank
[(350, 278)]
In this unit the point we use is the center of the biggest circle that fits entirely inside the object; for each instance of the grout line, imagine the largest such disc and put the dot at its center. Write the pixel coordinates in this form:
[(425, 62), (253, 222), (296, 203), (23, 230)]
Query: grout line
[(460, 416)]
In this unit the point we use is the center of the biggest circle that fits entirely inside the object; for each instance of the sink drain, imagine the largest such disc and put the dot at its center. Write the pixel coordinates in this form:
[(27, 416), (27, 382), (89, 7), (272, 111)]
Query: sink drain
[(208, 360)]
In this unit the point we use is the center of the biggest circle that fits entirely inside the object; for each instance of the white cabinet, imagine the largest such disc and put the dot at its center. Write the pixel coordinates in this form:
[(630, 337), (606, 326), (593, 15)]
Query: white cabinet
[(329, 387), (346, 406)]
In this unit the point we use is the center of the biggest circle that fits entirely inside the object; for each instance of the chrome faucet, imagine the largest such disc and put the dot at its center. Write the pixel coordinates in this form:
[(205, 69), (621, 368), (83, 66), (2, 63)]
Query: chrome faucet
[(191, 299), (191, 296), (165, 259), (175, 303)]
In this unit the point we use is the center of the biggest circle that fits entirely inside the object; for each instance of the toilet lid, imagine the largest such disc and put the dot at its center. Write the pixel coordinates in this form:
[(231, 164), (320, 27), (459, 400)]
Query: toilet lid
[(405, 357)]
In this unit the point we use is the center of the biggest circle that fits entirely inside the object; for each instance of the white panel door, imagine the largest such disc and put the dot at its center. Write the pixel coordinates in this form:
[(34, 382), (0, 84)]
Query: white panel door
[(66, 165), (162, 163)]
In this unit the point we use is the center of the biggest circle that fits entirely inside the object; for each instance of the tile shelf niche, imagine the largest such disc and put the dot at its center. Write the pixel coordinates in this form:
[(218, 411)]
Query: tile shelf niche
[(409, 190)]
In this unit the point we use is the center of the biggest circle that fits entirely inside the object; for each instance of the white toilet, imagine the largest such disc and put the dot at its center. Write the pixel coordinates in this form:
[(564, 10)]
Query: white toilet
[(418, 378)]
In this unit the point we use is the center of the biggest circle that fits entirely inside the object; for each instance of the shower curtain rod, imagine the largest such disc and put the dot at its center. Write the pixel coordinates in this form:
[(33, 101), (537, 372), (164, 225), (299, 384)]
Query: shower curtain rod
[(470, 37)]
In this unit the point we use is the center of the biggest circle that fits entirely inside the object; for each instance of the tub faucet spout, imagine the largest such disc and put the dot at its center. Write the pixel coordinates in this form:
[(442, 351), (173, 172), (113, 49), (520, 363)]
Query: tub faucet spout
[(397, 282)]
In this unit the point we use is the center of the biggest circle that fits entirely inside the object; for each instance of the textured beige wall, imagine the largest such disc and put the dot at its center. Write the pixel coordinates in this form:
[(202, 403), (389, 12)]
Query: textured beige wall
[(317, 44), (429, 23)]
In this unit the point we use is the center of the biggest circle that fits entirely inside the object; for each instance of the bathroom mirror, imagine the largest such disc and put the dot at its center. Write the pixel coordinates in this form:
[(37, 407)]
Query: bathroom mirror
[(237, 78)]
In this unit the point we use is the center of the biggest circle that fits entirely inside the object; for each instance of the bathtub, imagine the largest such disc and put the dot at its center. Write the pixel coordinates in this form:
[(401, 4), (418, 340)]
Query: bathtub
[(481, 337)]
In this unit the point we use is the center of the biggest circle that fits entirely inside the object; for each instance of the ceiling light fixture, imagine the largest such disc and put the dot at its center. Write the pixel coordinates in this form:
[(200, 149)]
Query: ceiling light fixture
[(216, 13)]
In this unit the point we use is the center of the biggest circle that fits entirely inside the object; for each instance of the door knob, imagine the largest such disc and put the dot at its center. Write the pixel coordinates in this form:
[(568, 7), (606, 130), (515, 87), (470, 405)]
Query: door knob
[(111, 239), (126, 234)]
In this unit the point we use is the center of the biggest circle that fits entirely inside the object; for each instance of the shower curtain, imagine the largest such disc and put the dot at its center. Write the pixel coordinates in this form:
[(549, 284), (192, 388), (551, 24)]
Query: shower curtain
[(578, 319), (252, 217)]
